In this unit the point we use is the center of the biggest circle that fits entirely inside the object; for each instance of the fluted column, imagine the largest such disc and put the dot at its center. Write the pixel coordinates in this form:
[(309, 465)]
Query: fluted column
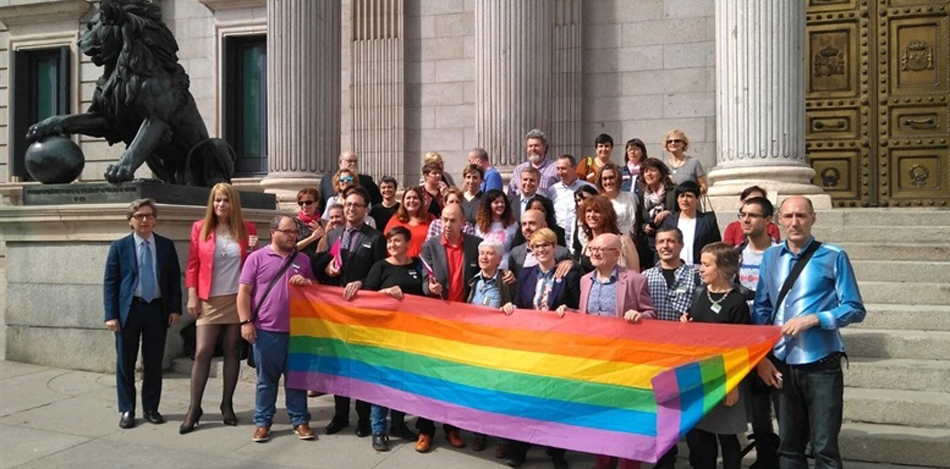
[(303, 93), (760, 119), (513, 41)]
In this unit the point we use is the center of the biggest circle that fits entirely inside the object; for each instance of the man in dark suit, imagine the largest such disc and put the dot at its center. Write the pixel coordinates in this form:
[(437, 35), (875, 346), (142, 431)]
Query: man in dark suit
[(348, 160), (530, 181), (453, 258), (360, 248), (142, 297)]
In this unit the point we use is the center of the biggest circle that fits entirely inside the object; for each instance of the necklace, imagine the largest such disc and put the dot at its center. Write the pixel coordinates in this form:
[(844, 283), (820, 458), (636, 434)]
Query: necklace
[(716, 306)]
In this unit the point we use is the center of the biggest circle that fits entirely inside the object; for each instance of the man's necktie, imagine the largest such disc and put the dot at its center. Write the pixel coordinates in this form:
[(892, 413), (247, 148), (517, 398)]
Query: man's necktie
[(147, 273), (347, 239)]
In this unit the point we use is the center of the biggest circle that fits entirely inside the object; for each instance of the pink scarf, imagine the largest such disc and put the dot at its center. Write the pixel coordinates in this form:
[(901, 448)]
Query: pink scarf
[(306, 219)]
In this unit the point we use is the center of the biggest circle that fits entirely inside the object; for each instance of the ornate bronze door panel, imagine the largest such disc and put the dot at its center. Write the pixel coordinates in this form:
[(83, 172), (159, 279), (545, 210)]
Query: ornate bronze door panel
[(877, 110)]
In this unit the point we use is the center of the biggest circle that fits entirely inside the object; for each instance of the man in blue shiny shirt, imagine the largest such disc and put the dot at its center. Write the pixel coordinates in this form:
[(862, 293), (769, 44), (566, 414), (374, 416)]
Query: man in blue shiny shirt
[(806, 361)]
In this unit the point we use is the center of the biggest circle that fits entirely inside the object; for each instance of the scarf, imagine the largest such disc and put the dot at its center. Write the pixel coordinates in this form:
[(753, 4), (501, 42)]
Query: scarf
[(306, 219), (653, 201)]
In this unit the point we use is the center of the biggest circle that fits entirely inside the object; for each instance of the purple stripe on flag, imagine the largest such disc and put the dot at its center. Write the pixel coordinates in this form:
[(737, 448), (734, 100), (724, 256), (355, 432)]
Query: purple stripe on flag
[(668, 414), (557, 435)]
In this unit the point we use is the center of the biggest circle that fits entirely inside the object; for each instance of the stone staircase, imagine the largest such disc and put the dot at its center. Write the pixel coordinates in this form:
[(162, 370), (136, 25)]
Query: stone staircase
[(897, 388)]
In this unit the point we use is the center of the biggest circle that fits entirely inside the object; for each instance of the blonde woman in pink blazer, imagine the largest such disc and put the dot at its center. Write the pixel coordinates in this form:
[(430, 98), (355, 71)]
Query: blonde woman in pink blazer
[(219, 246)]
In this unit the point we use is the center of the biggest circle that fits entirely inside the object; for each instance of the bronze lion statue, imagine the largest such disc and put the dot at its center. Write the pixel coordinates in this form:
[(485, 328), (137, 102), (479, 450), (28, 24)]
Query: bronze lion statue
[(142, 99)]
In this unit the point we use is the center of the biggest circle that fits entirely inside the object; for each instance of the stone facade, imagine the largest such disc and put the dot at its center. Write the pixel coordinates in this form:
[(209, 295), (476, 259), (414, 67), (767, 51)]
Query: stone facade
[(629, 69)]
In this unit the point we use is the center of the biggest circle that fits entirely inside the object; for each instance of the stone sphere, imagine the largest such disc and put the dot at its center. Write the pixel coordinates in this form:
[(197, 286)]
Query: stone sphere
[(54, 160)]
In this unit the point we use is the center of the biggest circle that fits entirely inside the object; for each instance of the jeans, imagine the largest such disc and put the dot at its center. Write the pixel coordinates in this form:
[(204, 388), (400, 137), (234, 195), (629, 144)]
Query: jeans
[(810, 406), (270, 354), (379, 419)]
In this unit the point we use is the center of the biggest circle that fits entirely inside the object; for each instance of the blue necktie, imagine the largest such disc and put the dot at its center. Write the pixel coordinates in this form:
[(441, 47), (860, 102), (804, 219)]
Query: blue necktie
[(147, 274)]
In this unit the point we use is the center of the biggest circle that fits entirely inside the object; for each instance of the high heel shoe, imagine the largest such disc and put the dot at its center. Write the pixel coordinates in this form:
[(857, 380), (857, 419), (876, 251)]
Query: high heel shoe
[(227, 414), (189, 425)]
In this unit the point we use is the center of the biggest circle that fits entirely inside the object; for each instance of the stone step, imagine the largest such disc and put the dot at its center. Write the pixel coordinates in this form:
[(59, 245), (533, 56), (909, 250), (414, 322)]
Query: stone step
[(883, 217), (906, 317), (182, 366), (897, 407), (884, 234), (881, 343), (921, 293), (895, 444), (896, 251), (898, 373), (902, 271)]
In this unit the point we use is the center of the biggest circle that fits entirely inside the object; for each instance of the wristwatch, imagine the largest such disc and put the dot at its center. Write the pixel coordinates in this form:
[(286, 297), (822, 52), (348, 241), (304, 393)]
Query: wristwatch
[(246, 321)]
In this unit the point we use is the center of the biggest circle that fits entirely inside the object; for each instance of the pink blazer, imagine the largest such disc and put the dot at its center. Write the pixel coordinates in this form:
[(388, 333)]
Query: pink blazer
[(632, 293), (201, 258)]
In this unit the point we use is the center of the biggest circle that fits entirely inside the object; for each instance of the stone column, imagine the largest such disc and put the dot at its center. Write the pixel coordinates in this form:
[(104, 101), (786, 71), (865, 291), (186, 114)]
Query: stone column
[(760, 118), (303, 93), (513, 42)]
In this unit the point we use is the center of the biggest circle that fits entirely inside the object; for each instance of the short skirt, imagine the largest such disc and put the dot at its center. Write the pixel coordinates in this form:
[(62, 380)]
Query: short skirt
[(219, 310)]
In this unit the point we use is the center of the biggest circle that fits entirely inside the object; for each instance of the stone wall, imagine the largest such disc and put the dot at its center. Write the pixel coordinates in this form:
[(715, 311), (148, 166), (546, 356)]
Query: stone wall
[(648, 66)]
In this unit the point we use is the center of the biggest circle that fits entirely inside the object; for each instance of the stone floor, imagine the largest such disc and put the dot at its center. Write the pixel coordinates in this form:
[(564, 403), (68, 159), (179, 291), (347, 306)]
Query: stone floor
[(51, 418)]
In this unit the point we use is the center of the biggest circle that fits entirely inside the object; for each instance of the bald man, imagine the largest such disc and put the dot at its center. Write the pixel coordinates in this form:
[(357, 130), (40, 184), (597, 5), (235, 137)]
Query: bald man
[(611, 290), (453, 258), (351, 161), (806, 362)]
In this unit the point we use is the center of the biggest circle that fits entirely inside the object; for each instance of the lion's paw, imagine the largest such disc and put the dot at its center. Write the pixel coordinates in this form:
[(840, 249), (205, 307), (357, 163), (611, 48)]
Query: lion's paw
[(117, 173)]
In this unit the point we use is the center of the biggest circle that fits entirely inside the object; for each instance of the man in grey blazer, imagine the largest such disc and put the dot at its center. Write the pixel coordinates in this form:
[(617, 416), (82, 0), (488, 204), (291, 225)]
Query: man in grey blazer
[(531, 221)]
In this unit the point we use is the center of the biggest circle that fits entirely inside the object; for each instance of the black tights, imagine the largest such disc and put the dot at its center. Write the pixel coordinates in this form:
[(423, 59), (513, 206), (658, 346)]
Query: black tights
[(703, 450), (206, 341)]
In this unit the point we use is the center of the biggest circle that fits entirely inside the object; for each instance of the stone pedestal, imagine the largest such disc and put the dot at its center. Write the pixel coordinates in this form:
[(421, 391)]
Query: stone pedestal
[(55, 259), (760, 125), (303, 89), (513, 57)]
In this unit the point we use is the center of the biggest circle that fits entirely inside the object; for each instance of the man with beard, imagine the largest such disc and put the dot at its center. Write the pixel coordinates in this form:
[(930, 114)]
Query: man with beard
[(536, 149), (671, 283)]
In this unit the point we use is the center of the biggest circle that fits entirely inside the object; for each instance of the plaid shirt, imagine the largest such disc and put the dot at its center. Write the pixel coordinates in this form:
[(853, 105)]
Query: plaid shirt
[(671, 303)]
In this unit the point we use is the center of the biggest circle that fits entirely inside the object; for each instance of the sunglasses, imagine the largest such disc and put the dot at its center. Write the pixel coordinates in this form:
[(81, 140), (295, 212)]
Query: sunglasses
[(305, 202), (674, 140), (346, 179)]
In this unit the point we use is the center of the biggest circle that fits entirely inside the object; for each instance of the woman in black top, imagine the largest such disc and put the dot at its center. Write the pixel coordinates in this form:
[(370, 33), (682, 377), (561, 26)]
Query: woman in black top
[(718, 302), (396, 275)]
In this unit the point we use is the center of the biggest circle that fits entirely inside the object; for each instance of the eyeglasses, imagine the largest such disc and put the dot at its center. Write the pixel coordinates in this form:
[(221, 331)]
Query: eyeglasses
[(353, 205), (346, 179), (753, 216), (674, 140), (305, 202), (143, 216), (596, 250), (542, 245), (288, 232)]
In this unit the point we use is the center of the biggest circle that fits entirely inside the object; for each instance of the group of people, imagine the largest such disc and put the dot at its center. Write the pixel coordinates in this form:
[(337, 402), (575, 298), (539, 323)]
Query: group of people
[(565, 236)]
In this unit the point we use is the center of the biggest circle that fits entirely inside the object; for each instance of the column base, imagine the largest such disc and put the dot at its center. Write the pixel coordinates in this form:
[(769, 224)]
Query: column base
[(781, 182), (286, 188)]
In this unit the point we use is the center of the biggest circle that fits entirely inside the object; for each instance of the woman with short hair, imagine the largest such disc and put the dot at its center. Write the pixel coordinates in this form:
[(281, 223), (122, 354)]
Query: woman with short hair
[(683, 167)]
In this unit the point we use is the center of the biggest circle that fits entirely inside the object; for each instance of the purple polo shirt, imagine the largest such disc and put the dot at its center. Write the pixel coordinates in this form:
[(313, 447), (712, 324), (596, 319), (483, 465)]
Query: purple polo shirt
[(261, 266)]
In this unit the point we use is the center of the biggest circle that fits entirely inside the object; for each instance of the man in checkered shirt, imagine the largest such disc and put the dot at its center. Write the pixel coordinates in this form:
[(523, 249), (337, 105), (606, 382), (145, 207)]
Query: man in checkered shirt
[(671, 282)]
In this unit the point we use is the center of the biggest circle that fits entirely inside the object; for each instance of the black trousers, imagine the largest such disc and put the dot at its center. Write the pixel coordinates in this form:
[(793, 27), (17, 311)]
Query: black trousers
[(704, 450), (341, 409), (427, 427), (810, 408), (146, 323)]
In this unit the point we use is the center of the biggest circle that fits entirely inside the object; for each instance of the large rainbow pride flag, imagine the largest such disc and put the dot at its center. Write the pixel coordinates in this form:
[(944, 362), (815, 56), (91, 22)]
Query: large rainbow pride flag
[(583, 383)]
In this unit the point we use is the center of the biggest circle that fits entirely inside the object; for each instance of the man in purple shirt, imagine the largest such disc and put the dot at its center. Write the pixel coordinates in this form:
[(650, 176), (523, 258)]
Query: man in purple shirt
[(269, 331), (536, 149)]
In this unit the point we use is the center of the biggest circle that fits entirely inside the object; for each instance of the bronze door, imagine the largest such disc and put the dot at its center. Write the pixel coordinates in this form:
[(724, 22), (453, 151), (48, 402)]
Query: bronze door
[(878, 101)]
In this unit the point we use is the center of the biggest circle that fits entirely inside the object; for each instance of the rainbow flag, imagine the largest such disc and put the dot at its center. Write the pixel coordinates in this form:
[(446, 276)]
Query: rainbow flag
[(583, 383)]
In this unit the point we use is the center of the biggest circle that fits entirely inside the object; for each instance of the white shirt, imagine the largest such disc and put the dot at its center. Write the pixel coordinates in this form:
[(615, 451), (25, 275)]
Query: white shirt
[(138, 257), (688, 227), (626, 207), (226, 266), (564, 210)]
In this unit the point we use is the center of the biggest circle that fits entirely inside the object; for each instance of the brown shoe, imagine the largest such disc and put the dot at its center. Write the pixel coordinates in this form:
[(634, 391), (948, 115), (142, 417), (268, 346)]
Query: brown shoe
[(479, 442), (261, 434), (303, 431), (424, 443), (455, 439), (501, 451)]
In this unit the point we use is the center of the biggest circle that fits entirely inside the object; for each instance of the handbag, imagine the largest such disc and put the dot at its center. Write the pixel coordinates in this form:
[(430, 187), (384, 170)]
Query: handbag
[(270, 286), (707, 204)]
